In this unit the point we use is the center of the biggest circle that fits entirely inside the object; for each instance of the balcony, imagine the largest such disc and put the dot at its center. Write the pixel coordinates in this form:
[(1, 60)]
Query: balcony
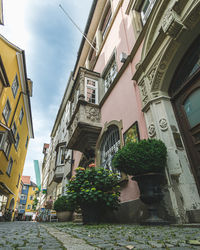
[(58, 174), (84, 125)]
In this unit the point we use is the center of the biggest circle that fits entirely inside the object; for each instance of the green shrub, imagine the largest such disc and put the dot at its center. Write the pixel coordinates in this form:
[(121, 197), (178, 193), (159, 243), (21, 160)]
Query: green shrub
[(141, 157), (62, 204), (94, 185)]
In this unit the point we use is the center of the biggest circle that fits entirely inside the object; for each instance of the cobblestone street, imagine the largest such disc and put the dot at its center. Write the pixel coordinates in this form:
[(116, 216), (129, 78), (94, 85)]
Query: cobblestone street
[(72, 236)]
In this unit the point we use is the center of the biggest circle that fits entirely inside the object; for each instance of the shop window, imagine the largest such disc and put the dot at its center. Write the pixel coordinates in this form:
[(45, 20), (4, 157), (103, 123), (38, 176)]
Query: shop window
[(61, 155), (21, 115), (15, 86), (7, 111), (91, 90), (14, 128), (109, 147), (10, 165)]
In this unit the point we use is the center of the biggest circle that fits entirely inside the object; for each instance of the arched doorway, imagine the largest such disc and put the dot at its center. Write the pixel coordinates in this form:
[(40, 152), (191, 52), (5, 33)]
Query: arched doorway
[(185, 96)]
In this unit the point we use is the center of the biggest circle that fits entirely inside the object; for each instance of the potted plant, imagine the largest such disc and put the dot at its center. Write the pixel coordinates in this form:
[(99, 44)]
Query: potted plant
[(93, 190), (64, 210), (145, 161)]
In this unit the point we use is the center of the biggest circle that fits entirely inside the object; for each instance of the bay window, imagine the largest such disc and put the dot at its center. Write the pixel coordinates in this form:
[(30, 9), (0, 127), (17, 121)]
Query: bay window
[(91, 90)]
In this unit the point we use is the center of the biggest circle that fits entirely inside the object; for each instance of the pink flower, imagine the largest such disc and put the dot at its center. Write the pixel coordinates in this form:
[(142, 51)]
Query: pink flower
[(92, 165)]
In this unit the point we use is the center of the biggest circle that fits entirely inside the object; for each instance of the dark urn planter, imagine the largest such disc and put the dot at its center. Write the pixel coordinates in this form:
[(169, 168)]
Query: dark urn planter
[(91, 213), (150, 186)]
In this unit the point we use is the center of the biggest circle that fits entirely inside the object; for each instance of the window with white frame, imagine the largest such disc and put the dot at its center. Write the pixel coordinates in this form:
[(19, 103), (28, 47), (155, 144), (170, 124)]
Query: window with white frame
[(141, 11), (61, 155), (15, 86), (146, 9), (10, 165), (111, 72), (109, 146), (14, 128), (22, 207), (106, 20), (7, 146), (91, 90), (21, 115), (31, 197), (23, 196), (6, 111), (17, 141), (25, 187)]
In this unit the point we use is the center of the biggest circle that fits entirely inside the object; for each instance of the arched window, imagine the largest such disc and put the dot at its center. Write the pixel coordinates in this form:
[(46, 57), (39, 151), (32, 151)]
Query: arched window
[(109, 146)]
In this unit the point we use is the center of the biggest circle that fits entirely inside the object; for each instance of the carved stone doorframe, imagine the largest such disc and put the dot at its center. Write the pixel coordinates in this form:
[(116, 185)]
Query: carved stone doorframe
[(153, 76)]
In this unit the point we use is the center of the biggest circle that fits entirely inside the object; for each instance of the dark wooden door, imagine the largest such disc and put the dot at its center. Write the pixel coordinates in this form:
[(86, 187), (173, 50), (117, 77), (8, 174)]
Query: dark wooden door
[(187, 110)]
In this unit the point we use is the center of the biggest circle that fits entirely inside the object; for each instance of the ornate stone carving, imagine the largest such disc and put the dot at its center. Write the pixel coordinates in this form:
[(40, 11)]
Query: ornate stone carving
[(163, 124), (171, 24), (152, 130), (92, 114)]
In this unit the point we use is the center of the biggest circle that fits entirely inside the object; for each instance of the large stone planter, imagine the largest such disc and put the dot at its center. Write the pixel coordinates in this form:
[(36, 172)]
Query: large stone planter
[(64, 215), (150, 186)]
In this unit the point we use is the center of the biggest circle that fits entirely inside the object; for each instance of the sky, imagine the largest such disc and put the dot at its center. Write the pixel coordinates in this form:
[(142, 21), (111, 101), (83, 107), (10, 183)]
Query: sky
[(51, 44)]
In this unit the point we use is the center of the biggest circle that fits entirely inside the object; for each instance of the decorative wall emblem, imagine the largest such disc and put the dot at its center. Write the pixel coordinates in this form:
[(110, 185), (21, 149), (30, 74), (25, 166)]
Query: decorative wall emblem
[(152, 130), (163, 124), (93, 114)]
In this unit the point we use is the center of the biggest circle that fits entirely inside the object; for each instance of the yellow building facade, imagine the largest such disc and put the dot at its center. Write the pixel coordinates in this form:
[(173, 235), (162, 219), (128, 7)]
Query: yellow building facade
[(29, 210), (15, 121)]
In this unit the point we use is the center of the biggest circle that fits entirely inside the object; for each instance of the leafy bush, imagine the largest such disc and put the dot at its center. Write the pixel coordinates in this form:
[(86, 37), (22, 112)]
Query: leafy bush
[(93, 185), (62, 204), (141, 157)]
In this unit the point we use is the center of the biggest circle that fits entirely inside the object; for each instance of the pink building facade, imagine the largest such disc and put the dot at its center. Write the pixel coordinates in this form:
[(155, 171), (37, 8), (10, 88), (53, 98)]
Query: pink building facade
[(123, 88)]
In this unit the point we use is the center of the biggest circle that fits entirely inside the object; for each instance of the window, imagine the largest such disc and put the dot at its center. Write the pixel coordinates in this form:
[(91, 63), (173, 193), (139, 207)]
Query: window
[(21, 115), (109, 146), (141, 10), (29, 206), (18, 181), (91, 90), (25, 187), (111, 72), (26, 144), (106, 19), (14, 128), (15, 86), (33, 188), (17, 141), (7, 111), (10, 165), (7, 146), (22, 207), (1, 138), (146, 9), (61, 155), (31, 197), (192, 107), (23, 197)]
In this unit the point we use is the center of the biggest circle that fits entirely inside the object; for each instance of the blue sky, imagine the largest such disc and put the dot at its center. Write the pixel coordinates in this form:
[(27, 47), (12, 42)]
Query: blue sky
[(51, 43)]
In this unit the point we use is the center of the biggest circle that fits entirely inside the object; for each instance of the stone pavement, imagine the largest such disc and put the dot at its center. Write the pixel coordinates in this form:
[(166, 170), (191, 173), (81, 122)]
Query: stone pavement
[(74, 236)]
